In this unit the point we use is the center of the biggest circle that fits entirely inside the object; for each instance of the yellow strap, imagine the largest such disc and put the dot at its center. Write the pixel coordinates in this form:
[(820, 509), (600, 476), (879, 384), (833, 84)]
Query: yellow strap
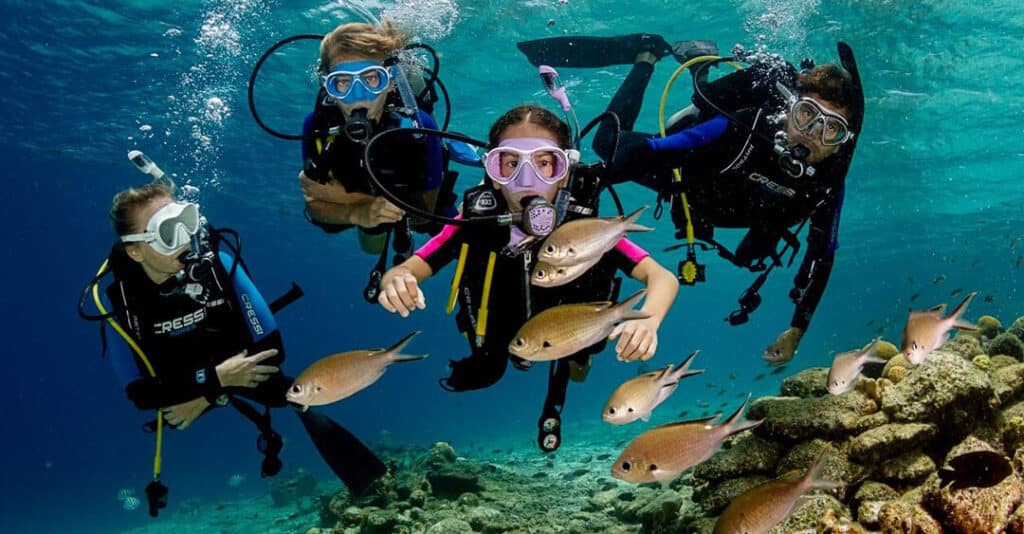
[(453, 295), (320, 150), (481, 319), (142, 356), (661, 125)]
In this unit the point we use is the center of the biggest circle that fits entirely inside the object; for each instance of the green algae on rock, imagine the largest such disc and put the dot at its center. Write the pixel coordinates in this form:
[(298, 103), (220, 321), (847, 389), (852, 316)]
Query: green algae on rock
[(1008, 344)]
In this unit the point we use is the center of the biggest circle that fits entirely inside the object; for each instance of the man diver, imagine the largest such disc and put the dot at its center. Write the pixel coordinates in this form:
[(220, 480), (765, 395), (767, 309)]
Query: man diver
[(364, 92), (765, 148), (195, 333)]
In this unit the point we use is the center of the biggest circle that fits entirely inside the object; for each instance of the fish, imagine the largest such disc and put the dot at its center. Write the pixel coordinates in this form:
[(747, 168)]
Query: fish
[(567, 329), (124, 493), (587, 239), (978, 469), (341, 375), (663, 453), (1020, 261), (956, 291), (989, 298), (779, 370), (1013, 243), (869, 323), (546, 275), (927, 330), (759, 377), (914, 297), (131, 503), (846, 368), (711, 385), (638, 397), (703, 404), (683, 413), (939, 279), (761, 508), (236, 480), (976, 262), (733, 376)]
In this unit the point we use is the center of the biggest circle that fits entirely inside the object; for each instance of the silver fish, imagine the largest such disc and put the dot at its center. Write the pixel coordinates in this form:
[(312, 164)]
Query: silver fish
[(760, 508), (928, 330), (567, 329), (846, 368), (663, 453), (338, 376), (638, 397), (547, 275), (587, 239)]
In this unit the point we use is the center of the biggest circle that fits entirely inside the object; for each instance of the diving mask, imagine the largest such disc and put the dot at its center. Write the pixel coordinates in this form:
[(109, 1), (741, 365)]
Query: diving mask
[(170, 228), (525, 161), (356, 81), (806, 113)]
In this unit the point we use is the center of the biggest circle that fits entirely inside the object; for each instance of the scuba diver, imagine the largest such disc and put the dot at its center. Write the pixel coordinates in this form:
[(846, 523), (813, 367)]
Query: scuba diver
[(195, 334), (365, 89), (529, 167), (765, 148)]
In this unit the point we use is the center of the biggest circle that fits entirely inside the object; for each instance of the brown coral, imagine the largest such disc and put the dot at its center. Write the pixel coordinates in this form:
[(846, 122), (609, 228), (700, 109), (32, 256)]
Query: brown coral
[(989, 326)]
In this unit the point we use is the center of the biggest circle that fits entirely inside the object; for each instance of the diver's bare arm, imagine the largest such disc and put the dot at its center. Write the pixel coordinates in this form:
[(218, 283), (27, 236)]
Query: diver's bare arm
[(662, 288)]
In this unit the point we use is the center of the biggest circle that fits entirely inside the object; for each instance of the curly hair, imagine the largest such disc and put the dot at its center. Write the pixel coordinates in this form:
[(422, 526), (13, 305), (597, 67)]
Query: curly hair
[(377, 42), (831, 82), (533, 114)]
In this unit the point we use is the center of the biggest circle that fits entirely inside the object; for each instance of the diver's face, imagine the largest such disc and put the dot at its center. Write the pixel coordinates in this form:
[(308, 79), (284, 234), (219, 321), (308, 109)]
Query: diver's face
[(157, 266), (544, 166), (811, 139), (374, 108)]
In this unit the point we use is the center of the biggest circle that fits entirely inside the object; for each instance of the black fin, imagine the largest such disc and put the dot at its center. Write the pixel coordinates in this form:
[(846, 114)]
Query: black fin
[(353, 462), (582, 51)]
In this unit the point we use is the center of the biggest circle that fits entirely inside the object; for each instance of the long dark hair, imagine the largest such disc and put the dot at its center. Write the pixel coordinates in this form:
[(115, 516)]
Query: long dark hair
[(532, 114)]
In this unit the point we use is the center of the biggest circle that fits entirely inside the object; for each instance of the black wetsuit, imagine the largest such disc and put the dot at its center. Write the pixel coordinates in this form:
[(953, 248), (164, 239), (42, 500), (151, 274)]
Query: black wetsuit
[(409, 166), (512, 300), (732, 178), (184, 338)]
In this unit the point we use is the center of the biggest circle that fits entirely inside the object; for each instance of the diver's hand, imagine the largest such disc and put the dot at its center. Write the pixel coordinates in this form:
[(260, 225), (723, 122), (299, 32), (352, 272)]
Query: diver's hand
[(244, 371), (400, 292), (333, 193), (784, 347), (377, 212), (181, 415), (638, 340)]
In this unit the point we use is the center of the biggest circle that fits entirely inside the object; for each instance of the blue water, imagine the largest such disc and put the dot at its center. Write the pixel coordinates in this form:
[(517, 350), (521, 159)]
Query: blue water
[(933, 192)]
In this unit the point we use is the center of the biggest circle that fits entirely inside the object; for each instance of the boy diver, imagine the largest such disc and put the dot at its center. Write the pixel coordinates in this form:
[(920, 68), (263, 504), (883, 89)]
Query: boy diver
[(365, 91)]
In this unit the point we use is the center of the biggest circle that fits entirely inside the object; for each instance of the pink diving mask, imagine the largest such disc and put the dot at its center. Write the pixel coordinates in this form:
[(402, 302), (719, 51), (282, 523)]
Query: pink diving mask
[(529, 164)]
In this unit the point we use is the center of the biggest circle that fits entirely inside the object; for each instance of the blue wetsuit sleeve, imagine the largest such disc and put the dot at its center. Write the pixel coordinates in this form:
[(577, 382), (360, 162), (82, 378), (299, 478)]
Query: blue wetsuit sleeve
[(253, 307), (435, 163), (121, 355), (702, 134), (307, 130)]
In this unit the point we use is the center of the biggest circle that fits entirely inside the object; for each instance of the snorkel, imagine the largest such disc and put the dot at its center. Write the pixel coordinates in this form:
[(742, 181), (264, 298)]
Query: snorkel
[(198, 259)]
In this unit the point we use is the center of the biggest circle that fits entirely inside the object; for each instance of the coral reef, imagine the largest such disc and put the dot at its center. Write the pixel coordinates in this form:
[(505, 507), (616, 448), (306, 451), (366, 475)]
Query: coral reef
[(1007, 344), (989, 326), (889, 437)]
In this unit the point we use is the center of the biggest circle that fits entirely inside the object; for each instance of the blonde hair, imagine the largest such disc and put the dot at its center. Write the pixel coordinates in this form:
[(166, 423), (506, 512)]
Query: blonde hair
[(127, 203), (376, 42)]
